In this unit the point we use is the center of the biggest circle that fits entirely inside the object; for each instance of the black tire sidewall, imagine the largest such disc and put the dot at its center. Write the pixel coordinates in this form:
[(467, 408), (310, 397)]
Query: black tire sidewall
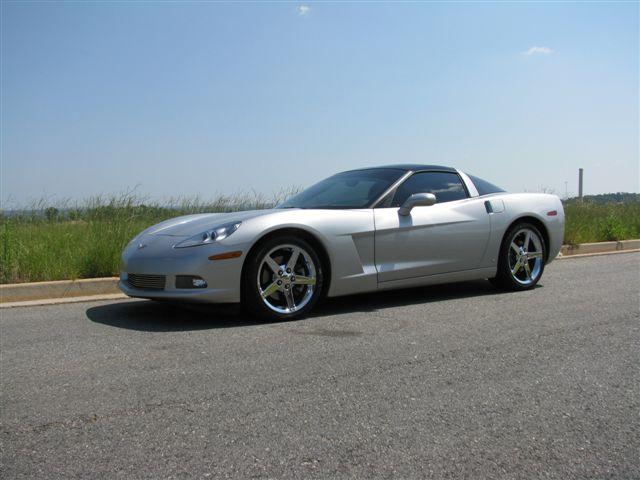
[(251, 300)]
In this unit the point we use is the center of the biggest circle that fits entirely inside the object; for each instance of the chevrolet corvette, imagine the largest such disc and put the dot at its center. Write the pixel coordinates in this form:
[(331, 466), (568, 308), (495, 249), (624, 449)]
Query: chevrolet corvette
[(357, 231)]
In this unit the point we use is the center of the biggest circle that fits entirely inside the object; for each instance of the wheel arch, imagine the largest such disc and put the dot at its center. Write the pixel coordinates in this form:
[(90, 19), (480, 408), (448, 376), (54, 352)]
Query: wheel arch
[(539, 224), (307, 236)]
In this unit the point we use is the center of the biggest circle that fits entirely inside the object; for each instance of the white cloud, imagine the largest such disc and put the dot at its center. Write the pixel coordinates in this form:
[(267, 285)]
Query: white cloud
[(304, 10), (538, 51)]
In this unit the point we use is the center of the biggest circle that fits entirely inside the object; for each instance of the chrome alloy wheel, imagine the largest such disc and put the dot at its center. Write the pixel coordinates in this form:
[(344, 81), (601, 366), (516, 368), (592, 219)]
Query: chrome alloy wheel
[(286, 278), (525, 256)]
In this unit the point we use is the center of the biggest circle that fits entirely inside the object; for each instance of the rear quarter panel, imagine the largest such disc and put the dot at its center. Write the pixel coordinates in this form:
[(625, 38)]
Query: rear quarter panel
[(521, 205)]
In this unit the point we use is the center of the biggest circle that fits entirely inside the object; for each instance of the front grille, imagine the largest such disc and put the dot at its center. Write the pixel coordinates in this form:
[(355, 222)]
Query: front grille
[(146, 282)]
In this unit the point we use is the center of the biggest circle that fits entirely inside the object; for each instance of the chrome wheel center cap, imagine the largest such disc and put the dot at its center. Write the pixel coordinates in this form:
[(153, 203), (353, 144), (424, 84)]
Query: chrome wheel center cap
[(286, 278)]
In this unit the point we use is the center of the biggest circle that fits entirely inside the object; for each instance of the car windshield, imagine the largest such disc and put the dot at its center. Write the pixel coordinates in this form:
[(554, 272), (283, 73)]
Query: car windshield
[(353, 189)]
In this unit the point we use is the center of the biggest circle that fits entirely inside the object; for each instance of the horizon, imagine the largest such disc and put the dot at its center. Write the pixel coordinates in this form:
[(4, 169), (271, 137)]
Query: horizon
[(204, 99), (199, 204)]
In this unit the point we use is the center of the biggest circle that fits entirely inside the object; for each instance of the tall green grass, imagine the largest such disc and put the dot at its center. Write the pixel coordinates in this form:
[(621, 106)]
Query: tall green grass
[(593, 222), (67, 241)]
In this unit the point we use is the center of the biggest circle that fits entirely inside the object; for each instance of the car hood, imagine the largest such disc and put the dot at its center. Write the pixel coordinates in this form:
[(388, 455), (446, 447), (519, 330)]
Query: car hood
[(189, 225)]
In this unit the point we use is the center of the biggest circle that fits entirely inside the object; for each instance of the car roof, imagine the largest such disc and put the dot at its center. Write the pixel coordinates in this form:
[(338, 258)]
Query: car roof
[(412, 167)]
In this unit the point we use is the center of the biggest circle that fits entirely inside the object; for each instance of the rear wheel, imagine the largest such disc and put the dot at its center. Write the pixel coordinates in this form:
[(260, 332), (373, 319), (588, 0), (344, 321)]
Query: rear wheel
[(283, 279), (522, 257)]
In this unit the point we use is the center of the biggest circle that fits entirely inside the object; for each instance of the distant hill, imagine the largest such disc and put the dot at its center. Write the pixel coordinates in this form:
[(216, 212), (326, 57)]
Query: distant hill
[(619, 197)]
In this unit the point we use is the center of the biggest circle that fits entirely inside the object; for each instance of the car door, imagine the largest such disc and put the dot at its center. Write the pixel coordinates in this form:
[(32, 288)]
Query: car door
[(450, 236)]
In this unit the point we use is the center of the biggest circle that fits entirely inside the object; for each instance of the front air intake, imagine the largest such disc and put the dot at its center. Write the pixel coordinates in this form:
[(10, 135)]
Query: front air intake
[(146, 282)]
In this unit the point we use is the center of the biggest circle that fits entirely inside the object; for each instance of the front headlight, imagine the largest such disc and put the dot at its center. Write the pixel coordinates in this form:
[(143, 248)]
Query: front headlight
[(210, 236)]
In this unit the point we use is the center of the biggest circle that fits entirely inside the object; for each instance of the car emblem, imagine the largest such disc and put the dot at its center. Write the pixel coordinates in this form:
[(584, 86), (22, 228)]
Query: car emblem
[(141, 245)]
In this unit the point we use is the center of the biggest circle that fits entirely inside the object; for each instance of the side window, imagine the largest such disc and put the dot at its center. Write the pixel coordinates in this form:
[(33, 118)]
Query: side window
[(446, 186)]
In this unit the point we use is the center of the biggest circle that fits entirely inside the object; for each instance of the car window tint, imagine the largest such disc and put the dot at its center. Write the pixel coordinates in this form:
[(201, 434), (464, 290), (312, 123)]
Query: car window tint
[(447, 187), (352, 189), (347, 192), (484, 187)]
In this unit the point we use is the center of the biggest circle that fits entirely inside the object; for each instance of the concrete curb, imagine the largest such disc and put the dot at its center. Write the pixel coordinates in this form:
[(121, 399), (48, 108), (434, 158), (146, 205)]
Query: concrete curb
[(599, 247), (595, 254), (22, 292), (57, 301), (67, 291)]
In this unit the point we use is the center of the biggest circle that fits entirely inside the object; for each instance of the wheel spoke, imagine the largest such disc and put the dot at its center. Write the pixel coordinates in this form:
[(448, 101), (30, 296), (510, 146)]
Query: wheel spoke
[(293, 259), (275, 268), (515, 247), (527, 239), (534, 254), (288, 295), (516, 267), (527, 270), (270, 290), (302, 280)]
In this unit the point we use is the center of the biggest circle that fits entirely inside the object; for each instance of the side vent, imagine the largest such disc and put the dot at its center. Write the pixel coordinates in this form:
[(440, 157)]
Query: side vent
[(494, 206)]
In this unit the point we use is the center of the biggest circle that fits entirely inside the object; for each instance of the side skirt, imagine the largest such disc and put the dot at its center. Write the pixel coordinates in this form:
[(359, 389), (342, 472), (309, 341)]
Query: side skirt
[(461, 276)]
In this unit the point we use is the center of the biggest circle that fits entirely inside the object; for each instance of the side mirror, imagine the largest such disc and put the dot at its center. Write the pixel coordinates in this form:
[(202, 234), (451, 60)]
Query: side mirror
[(417, 200)]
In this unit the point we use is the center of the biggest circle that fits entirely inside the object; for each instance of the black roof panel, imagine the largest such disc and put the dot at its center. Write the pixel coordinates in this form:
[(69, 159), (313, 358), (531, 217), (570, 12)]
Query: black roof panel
[(409, 167), (417, 166)]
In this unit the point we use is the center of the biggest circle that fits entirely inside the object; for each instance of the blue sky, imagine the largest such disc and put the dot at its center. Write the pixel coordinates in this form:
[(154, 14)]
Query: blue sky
[(206, 98)]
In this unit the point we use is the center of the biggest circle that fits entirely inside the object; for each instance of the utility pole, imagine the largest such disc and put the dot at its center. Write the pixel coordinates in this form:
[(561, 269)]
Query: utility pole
[(566, 190), (580, 175)]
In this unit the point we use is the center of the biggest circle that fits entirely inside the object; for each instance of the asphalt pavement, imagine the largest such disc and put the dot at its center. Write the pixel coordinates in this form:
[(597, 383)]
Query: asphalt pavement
[(455, 381)]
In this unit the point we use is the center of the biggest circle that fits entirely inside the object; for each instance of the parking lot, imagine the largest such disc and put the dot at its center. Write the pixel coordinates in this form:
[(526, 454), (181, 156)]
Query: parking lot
[(452, 381)]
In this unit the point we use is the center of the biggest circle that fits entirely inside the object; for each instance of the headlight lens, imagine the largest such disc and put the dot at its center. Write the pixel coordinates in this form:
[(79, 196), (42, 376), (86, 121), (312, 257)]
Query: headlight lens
[(210, 236)]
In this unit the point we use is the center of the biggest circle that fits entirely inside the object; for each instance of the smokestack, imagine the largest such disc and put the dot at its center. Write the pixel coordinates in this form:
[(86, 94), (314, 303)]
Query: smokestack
[(580, 175)]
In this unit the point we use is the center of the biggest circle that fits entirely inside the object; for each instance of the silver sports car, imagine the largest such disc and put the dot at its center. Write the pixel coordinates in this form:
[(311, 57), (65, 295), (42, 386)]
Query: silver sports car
[(358, 231)]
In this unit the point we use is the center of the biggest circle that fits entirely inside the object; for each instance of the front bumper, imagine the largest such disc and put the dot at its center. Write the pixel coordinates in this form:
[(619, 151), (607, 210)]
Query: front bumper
[(203, 295), (158, 257)]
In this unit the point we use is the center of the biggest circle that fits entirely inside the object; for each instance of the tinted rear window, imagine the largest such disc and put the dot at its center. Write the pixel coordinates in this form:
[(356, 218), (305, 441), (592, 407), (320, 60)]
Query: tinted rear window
[(484, 187)]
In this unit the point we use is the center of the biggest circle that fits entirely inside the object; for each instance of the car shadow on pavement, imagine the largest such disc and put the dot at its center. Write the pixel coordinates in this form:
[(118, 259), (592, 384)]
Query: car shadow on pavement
[(149, 316), (371, 302), (145, 315)]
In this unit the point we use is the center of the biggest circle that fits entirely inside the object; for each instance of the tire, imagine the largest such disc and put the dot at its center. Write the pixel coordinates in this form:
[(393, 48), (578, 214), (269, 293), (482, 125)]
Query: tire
[(523, 247), (274, 288)]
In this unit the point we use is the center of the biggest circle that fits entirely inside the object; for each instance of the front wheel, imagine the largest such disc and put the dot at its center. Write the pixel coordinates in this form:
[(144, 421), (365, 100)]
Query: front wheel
[(521, 260), (282, 280)]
